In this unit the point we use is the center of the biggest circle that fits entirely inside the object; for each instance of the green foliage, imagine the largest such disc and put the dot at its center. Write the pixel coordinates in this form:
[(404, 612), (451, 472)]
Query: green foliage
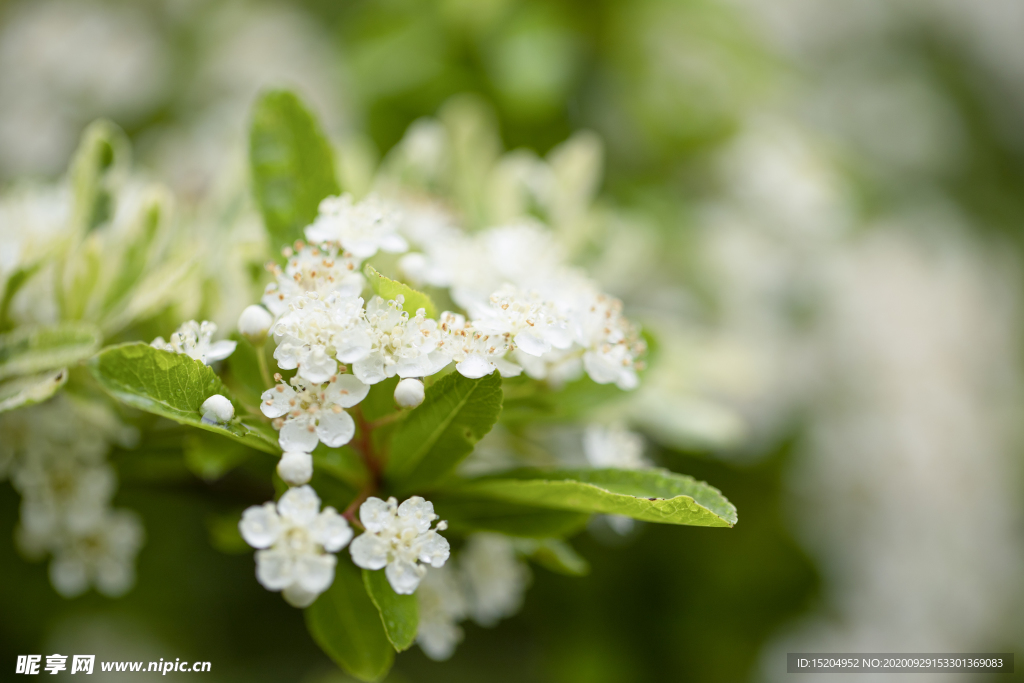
[(29, 350), (174, 386), (292, 165), (18, 278), (25, 391), (101, 156), (347, 626), (528, 400), (400, 614), (467, 515), (441, 432), (210, 457), (389, 289), (648, 495), (555, 555), (137, 248)]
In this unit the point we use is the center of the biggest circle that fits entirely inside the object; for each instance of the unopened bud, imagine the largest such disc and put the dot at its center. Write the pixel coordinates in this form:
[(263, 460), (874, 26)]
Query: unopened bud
[(254, 323), (217, 410), (295, 468), (409, 393)]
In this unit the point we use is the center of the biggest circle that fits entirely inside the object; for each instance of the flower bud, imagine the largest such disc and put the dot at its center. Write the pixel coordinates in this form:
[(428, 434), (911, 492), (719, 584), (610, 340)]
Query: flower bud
[(254, 323), (295, 468), (409, 393), (217, 409)]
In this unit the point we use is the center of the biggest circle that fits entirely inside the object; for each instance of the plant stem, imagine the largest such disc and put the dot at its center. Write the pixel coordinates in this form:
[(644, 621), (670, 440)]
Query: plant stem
[(261, 360)]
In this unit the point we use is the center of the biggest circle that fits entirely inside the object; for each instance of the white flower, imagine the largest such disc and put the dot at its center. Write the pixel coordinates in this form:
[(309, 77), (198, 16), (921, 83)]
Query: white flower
[(318, 331), (614, 446), (409, 393), (309, 413), (496, 579), (613, 344), (399, 537), (311, 268), (217, 410), (295, 541), (295, 468), (362, 228), (442, 605), (475, 353), (254, 323), (195, 341), (102, 556), (403, 345), (534, 325)]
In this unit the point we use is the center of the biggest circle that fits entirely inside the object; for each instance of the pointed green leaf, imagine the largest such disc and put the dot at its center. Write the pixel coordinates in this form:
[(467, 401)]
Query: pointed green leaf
[(29, 350), (653, 495), (346, 625), (174, 386), (25, 391), (102, 156), (439, 434), (292, 165), (388, 289), (15, 281), (400, 614)]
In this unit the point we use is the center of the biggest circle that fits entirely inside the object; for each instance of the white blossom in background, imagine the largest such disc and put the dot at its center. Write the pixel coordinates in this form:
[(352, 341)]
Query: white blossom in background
[(442, 605), (195, 340), (254, 323), (307, 413), (361, 228), (317, 332), (295, 542), (403, 345), (102, 556), (320, 269), (614, 446), (496, 579), (533, 325), (399, 538), (217, 410), (295, 467)]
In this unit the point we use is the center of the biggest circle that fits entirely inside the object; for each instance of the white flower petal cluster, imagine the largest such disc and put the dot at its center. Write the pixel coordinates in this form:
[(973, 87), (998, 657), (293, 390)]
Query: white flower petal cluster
[(476, 353), (361, 228), (400, 538), (318, 331), (57, 456), (614, 446), (442, 605), (309, 413), (400, 344), (319, 268), (295, 542), (195, 340)]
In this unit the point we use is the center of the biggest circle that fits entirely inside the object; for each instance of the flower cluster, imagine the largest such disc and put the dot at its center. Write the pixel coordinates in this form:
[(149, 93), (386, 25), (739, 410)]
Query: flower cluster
[(195, 340)]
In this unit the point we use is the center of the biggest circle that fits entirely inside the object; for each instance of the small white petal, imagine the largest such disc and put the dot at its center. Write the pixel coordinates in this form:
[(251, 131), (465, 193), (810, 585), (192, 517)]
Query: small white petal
[(335, 429), (375, 514), (405, 576), (317, 366), (314, 573), (299, 505), (296, 436), (346, 391), (274, 569), (370, 370), (532, 343), (254, 323), (278, 401), (331, 530), (295, 468), (297, 596), (219, 351), (435, 550), (369, 551), (418, 512), (260, 525), (475, 366)]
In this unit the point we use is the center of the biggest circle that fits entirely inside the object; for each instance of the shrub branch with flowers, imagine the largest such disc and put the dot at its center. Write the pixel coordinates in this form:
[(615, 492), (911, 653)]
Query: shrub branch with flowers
[(370, 396)]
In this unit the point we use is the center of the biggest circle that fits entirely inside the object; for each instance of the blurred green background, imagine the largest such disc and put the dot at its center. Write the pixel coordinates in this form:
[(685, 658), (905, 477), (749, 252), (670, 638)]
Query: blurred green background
[(827, 197)]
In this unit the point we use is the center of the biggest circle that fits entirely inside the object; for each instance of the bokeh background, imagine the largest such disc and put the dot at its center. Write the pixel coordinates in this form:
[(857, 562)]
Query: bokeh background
[(819, 205)]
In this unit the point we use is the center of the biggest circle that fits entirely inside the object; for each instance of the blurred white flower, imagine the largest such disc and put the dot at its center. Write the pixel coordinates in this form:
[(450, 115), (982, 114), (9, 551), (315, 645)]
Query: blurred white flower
[(195, 340), (295, 541), (496, 579), (614, 446), (102, 556), (442, 605), (309, 413), (254, 323), (360, 228), (312, 268), (399, 537)]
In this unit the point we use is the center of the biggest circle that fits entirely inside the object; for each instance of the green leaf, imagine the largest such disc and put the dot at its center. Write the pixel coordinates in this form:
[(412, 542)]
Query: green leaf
[(29, 350), (554, 555), (174, 386), (137, 248), (439, 434), (471, 515), (653, 495), (17, 279), (292, 165), (25, 391), (224, 535), (528, 400), (210, 457), (346, 625), (100, 158), (400, 614), (389, 289)]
